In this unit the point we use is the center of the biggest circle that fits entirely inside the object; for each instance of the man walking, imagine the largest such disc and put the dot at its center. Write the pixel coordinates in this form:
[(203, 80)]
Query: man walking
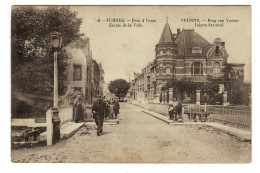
[(116, 108), (98, 111)]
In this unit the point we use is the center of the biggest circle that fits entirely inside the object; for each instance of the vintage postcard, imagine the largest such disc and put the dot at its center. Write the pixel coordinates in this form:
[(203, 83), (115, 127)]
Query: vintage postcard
[(131, 84)]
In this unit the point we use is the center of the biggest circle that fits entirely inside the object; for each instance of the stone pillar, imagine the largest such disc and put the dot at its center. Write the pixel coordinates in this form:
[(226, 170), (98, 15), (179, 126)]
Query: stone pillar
[(170, 95), (224, 101), (250, 100), (49, 127), (198, 97), (163, 96)]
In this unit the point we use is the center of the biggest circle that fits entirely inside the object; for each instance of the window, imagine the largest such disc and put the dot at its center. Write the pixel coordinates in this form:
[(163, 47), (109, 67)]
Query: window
[(168, 52), (148, 79), (196, 50), (164, 51), (217, 50), (216, 69), (173, 70), (77, 73), (160, 70), (168, 70), (197, 68), (87, 73)]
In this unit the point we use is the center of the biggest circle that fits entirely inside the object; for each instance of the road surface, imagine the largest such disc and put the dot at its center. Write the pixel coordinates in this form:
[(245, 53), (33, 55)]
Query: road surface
[(141, 138)]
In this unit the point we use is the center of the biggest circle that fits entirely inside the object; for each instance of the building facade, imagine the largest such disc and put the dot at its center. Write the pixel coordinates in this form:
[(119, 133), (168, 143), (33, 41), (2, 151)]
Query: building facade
[(185, 54), (84, 74)]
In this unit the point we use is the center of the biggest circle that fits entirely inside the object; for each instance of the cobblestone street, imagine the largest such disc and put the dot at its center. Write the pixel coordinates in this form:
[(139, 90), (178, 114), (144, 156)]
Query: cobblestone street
[(141, 138)]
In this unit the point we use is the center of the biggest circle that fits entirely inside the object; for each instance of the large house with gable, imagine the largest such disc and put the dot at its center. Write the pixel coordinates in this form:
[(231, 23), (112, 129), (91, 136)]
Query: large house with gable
[(185, 54)]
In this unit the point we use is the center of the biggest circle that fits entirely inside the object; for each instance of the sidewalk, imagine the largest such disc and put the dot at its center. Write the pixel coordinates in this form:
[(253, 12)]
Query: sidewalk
[(66, 131), (69, 129), (242, 134), (106, 122), (158, 116)]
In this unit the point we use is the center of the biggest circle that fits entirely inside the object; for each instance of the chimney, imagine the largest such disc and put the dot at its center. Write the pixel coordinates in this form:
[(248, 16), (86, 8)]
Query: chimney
[(178, 31), (223, 44)]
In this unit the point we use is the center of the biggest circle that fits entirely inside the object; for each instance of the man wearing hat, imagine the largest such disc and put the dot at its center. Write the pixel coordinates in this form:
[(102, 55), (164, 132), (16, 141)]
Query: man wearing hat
[(98, 111)]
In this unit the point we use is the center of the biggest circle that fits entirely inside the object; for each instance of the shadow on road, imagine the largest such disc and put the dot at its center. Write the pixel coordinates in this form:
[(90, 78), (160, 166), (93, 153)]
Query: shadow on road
[(104, 133)]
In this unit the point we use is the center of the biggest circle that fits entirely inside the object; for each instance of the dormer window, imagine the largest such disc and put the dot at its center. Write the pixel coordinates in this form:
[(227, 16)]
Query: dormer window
[(217, 50), (196, 50)]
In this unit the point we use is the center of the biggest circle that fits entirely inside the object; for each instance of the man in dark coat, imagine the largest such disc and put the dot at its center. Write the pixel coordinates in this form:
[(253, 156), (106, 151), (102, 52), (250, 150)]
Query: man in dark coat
[(98, 111), (170, 111), (179, 109), (116, 108)]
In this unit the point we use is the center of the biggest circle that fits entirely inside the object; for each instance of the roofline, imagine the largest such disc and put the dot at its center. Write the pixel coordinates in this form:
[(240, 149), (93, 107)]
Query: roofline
[(236, 64)]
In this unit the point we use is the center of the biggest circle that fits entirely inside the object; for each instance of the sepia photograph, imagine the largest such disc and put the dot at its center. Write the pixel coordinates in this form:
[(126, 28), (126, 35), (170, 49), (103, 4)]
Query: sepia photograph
[(131, 84)]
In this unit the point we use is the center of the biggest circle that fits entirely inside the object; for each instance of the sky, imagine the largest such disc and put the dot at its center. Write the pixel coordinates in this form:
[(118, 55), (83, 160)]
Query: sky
[(125, 50)]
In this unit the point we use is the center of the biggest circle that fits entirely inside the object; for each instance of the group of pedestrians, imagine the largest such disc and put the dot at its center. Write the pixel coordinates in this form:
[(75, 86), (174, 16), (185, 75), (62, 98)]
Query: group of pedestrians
[(175, 110), (112, 109), (101, 109)]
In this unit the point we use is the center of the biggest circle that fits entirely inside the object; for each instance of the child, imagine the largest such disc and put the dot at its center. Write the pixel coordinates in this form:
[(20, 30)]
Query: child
[(170, 110)]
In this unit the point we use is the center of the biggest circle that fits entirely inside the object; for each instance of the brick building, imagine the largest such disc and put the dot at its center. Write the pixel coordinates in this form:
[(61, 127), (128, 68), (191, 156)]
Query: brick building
[(185, 54)]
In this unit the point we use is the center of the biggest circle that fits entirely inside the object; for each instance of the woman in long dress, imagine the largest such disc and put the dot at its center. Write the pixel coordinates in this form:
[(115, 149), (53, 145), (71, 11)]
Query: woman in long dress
[(111, 110), (78, 110)]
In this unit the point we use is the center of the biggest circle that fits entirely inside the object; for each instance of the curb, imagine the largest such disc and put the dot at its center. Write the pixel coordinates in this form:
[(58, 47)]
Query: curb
[(242, 134), (104, 123), (71, 132), (164, 120), (27, 144)]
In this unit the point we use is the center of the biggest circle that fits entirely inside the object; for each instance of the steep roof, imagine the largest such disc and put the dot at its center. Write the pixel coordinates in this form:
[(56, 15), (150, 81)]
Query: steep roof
[(166, 36), (137, 74), (189, 39)]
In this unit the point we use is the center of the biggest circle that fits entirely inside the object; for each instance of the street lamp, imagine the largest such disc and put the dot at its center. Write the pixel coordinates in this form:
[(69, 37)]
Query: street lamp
[(56, 40)]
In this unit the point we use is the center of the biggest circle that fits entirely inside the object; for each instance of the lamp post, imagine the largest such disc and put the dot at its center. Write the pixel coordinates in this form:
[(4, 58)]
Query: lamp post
[(56, 40)]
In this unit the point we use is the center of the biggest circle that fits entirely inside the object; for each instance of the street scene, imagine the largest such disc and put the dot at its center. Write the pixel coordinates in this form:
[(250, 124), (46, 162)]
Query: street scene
[(140, 138), (130, 84)]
